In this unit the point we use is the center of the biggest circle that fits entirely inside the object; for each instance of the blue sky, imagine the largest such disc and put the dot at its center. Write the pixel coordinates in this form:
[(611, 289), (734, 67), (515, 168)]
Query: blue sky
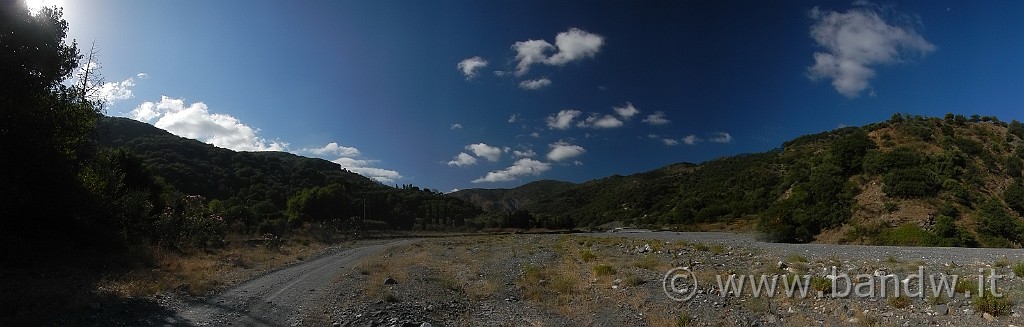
[(595, 89)]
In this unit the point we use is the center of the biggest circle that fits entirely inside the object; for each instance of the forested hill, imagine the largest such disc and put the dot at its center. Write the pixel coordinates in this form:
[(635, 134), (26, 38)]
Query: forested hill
[(267, 190), (913, 180)]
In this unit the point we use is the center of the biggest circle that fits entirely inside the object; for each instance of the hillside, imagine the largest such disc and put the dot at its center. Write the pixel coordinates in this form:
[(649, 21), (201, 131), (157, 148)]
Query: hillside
[(264, 191), (909, 180)]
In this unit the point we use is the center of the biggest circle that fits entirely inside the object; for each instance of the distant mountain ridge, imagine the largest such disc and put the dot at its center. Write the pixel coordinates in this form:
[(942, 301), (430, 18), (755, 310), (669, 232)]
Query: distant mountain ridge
[(909, 180)]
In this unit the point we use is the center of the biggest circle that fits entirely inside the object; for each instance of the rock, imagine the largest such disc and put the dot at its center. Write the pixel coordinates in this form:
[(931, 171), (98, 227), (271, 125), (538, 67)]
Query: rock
[(969, 312), (390, 281), (988, 317), (426, 324), (643, 249), (782, 265), (941, 309)]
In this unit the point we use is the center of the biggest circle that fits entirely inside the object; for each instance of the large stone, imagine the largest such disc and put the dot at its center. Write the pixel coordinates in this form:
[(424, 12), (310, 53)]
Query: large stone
[(988, 317), (941, 309)]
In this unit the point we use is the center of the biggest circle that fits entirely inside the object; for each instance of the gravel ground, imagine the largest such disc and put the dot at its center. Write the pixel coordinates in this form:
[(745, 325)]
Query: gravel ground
[(600, 279)]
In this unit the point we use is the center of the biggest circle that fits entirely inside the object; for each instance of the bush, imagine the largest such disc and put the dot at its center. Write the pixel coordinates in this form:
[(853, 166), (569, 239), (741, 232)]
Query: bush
[(604, 270), (996, 306), (913, 182)]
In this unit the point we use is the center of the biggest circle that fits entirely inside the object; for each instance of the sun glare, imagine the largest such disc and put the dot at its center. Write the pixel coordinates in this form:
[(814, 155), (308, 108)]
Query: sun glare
[(35, 5)]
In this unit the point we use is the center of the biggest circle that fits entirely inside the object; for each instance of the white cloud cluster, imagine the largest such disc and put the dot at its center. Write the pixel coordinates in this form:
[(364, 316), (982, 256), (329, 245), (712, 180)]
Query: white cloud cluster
[(528, 153), (365, 168), (522, 167), (491, 153), (572, 45), (462, 159), (691, 139), (456, 126), (471, 66), (562, 150), (535, 84), (856, 40), (112, 92), (670, 142), (657, 118), (195, 121), (627, 111), (720, 137), (598, 121), (563, 119), (333, 149), (514, 118)]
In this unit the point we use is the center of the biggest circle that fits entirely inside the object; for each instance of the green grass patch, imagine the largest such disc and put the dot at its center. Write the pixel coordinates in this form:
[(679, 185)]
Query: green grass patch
[(604, 270), (996, 306), (587, 255)]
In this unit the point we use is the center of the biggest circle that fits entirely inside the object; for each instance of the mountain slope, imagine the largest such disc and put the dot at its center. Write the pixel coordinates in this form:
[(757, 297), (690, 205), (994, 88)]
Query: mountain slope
[(272, 187), (910, 180)]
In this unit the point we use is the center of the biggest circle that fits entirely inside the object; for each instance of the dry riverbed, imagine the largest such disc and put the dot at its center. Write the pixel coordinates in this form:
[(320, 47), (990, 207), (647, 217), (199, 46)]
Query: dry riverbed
[(617, 280)]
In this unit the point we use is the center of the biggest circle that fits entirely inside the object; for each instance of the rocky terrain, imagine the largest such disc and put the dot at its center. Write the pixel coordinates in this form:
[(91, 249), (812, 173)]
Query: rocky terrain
[(598, 279), (617, 280)]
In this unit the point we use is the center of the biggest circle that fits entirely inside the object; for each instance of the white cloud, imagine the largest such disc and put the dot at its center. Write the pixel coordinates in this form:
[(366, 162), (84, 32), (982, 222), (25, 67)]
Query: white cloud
[(563, 119), (627, 111), (142, 75), (522, 167), (535, 84), (657, 118), (470, 66), (530, 52), (453, 191), (462, 159), (572, 45), (491, 153), (691, 139), (653, 136), (112, 92), (363, 167), (524, 154), (670, 142), (514, 118), (597, 121), (854, 42), (197, 122), (720, 137), (562, 150), (535, 134), (456, 126), (333, 149), (575, 44)]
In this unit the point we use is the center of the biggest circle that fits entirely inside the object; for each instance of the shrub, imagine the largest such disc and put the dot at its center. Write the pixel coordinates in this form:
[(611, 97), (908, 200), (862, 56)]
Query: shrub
[(899, 302), (587, 255), (604, 270), (913, 182), (1018, 269), (995, 305)]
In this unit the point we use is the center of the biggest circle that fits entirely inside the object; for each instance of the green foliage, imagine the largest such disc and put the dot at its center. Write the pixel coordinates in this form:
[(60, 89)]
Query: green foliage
[(45, 137), (995, 305), (996, 226), (1016, 128), (906, 235), (913, 182), (604, 270), (1018, 269), (1014, 197)]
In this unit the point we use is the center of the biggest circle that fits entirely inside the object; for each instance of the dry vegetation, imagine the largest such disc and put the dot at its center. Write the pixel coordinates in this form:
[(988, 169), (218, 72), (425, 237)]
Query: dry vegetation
[(201, 272)]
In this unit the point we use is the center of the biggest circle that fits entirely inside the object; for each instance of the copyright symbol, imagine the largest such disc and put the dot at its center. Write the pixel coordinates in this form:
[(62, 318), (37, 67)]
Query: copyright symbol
[(679, 284)]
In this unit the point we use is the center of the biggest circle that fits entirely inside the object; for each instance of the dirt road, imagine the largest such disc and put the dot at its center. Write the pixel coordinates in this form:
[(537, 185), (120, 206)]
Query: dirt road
[(278, 298)]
